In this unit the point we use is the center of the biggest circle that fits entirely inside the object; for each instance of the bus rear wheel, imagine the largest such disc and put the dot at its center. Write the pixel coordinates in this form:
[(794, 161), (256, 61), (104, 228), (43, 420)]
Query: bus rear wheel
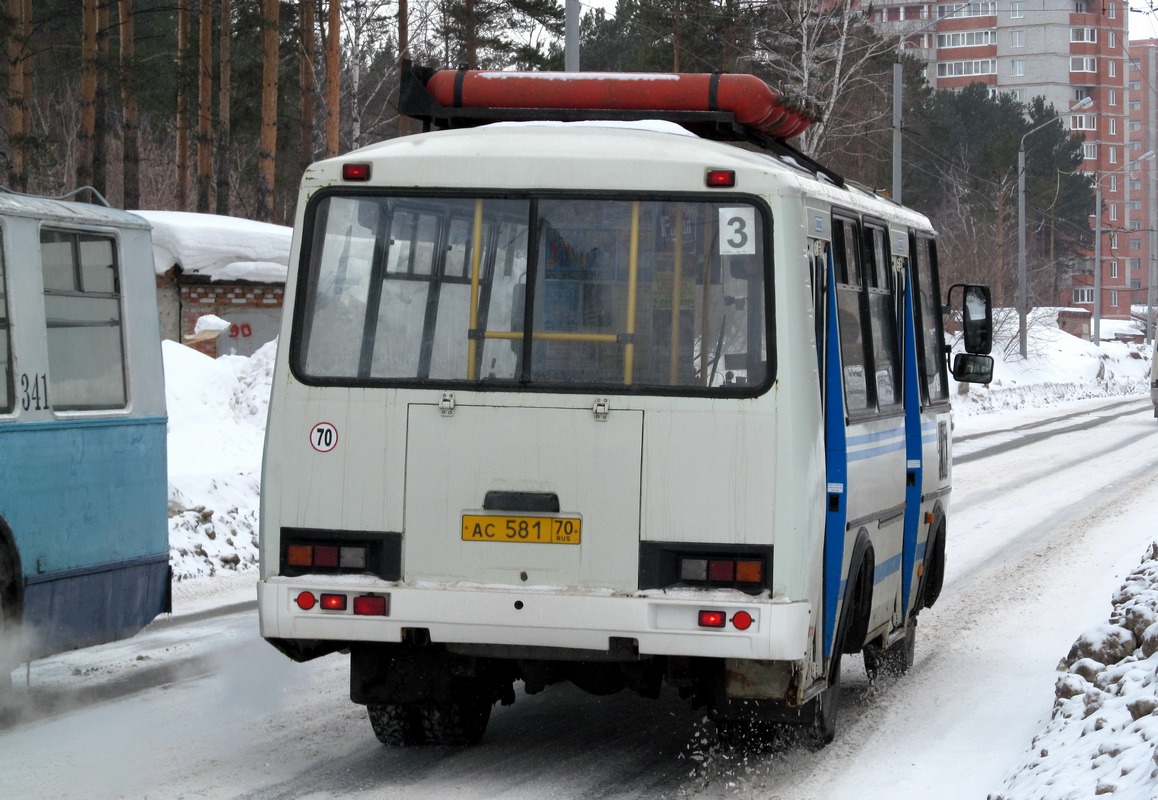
[(895, 660), (459, 722), (397, 724)]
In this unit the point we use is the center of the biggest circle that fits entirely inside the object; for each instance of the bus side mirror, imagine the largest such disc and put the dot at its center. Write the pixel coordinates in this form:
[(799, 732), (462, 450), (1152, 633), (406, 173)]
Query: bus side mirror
[(976, 318), (972, 368)]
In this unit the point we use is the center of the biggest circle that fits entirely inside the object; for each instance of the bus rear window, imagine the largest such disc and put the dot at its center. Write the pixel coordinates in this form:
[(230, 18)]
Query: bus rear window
[(650, 295)]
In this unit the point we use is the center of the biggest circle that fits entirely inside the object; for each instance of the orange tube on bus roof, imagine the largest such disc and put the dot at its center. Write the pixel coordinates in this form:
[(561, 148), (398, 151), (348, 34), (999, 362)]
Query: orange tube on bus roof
[(753, 102)]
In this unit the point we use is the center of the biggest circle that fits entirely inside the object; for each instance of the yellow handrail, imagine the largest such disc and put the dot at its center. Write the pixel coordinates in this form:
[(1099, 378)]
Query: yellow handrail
[(632, 279), (555, 336), (677, 280), (475, 256)]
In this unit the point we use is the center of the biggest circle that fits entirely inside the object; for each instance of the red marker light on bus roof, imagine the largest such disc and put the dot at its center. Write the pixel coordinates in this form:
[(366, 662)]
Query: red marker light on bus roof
[(355, 172), (721, 178)]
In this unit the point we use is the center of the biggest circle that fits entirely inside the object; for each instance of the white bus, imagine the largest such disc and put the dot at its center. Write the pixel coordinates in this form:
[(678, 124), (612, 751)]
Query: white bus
[(604, 402)]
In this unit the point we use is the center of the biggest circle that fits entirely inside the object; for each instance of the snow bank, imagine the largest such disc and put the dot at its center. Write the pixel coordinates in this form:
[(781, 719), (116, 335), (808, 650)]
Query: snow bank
[(217, 411), (1101, 739), (1059, 367)]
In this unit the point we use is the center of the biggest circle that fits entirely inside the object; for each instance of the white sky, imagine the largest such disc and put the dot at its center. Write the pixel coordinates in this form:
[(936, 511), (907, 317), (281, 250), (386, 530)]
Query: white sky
[(1143, 19)]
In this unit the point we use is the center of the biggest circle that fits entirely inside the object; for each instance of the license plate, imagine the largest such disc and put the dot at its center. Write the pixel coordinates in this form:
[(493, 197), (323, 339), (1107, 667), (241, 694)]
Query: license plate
[(533, 529)]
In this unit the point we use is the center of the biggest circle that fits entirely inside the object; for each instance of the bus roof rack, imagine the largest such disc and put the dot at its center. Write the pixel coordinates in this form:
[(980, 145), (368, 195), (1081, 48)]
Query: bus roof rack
[(722, 107)]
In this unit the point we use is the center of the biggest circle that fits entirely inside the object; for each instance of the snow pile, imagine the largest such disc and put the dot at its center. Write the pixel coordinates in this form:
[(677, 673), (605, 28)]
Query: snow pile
[(1059, 367), (1102, 737), (222, 248), (217, 412)]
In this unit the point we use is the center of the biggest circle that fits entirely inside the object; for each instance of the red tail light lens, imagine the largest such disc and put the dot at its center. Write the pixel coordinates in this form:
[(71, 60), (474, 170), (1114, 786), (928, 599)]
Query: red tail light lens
[(325, 556), (742, 620), (712, 619), (371, 605), (722, 571), (334, 602), (305, 601)]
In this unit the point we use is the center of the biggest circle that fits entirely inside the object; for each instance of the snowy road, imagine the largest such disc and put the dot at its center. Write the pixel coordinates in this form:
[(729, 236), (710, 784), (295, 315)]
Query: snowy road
[(1047, 516)]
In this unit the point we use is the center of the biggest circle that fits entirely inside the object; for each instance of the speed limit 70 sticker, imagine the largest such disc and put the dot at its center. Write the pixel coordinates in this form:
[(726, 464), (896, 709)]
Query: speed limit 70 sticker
[(324, 437)]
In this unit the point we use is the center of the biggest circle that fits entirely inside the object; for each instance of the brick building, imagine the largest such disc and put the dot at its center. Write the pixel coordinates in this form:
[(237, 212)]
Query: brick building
[(227, 267), (1064, 51), (1141, 238)]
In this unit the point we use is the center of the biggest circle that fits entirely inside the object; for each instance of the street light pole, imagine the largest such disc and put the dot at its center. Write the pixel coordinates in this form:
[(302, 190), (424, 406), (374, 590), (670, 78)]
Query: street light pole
[(1098, 263), (1022, 299)]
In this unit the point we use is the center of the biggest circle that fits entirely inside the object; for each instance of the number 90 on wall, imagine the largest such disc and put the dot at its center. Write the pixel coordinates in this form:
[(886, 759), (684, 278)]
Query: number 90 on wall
[(738, 231)]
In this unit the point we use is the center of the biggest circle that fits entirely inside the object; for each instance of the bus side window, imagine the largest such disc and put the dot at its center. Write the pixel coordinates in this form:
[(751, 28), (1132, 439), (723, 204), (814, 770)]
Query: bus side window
[(853, 342), (929, 323), (882, 318)]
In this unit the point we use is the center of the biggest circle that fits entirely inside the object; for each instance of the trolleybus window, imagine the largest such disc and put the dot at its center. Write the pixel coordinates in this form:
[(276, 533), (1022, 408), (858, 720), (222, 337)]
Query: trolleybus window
[(653, 294), (82, 305)]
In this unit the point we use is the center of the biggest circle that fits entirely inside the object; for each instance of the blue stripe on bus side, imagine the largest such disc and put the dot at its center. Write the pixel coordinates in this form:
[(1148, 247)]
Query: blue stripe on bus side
[(887, 568), (873, 452), (916, 430), (836, 468)]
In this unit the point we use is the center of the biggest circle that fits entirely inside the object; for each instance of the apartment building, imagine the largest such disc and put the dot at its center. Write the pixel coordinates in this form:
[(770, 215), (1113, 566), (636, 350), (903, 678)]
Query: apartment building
[(1065, 51), (1141, 238)]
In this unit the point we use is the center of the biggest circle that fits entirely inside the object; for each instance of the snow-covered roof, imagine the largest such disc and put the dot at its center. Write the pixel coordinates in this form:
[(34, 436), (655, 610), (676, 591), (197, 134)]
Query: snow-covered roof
[(218, 247)]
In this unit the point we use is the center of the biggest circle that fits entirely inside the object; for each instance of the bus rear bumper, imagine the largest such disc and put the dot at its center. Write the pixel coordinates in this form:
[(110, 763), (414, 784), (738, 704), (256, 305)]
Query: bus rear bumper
[(658, 623)]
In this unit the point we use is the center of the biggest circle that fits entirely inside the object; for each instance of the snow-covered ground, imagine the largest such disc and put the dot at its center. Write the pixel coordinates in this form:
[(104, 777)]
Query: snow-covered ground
[(1101, 738)]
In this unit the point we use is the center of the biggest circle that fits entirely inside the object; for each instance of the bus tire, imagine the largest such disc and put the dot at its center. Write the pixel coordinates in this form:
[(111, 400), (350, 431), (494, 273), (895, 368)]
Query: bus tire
[(935, 568), (895, 660), (397, 724), (6, 663), (9, 614), (458, 722)]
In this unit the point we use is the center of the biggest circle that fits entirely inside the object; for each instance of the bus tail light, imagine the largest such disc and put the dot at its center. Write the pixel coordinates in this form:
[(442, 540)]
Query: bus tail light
[(334, 602), (371, 605), (713, 619), (326, 556), (722, 571), (305, 601)]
